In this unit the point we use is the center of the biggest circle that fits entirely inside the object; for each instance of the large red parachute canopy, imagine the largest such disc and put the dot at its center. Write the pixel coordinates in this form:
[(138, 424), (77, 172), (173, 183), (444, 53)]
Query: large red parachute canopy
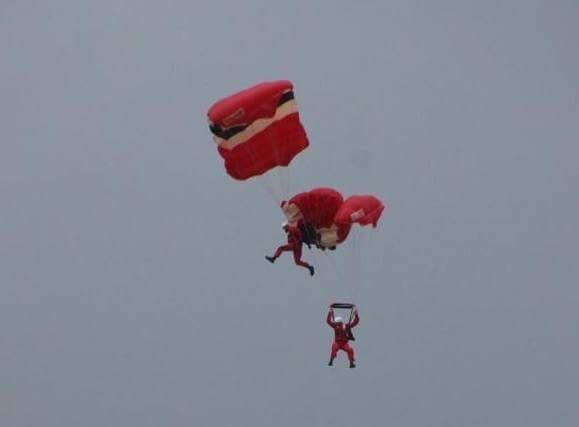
[(331, 216), (257, 129)]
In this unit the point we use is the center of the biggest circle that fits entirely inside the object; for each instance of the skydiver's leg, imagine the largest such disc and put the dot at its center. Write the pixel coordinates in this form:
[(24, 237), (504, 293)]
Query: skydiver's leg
[(298, 260), (278, 252), (281, 249), (350, 352), (333, 354), (346, 347)]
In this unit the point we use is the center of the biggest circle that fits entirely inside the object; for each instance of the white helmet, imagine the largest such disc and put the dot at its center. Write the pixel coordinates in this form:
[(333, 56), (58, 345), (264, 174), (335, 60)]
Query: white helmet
[(338, 319)]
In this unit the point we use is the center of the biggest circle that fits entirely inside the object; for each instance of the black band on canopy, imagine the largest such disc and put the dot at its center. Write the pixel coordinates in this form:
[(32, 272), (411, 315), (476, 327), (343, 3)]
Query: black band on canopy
[(288, 96), (226, 133)]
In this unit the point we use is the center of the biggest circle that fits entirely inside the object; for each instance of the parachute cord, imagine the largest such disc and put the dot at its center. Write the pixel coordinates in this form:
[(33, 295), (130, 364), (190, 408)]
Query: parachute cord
[(332, 282), (281, 172), (336, 278), (327, 280), (270, 189), (285, 181), (345, 275), (354, 282)]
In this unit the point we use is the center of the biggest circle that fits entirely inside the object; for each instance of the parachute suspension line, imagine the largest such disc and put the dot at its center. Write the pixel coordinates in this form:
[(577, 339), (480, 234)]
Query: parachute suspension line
[(268, 184), (359, 246), (350, 318), (354, 267), (363, 264), (328, 281), (342, 277), (345, 274), (285, 179)]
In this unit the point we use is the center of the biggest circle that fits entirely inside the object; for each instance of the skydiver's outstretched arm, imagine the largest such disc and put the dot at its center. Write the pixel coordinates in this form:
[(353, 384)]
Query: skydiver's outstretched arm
[(330, 318), (356, 319)]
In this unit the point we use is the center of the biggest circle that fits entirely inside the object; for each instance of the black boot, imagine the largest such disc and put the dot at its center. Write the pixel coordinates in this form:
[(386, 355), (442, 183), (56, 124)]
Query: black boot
[(311, 268), (331, 362), (352, 364), (270, 259)]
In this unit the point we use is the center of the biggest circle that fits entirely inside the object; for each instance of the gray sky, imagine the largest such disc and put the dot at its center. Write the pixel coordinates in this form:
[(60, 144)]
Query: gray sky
[(133, 290)]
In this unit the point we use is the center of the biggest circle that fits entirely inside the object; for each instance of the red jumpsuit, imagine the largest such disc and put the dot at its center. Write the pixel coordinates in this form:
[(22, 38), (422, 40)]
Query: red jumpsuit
[(341, 334), (294, 244)]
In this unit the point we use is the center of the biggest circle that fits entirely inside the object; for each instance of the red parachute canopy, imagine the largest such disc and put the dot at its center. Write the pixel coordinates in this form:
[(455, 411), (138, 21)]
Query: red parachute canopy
[(316, 207), (257, 129), (331, 216), (364, 210)]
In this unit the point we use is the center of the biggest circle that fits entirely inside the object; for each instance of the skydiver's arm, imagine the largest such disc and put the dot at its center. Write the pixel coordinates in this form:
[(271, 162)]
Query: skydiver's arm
[(356, 320), (330, 318)]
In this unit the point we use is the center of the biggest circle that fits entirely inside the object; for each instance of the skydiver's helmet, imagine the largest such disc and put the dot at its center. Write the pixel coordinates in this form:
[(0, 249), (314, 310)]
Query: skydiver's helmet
[(338, 319)]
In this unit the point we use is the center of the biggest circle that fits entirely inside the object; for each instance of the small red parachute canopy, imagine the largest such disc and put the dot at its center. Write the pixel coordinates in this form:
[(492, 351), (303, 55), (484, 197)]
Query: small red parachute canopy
[(364, 210), (257, 129)]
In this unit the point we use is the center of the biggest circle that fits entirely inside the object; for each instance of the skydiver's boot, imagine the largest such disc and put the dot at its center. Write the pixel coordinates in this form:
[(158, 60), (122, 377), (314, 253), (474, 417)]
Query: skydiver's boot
[(331, 362), (352, 364), (270, 259), (312, 270)]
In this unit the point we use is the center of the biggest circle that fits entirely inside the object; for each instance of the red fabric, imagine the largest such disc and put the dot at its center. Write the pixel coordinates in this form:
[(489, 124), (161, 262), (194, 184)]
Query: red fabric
[(294, 235), (363, 210), (341, 332), (343, 231), (318, 206), (257, 102), (276, 145), (326, 208), (345, 347)]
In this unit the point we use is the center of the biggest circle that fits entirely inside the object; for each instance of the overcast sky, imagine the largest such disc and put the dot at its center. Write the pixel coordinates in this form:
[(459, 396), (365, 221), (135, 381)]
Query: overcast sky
[(133, 289)]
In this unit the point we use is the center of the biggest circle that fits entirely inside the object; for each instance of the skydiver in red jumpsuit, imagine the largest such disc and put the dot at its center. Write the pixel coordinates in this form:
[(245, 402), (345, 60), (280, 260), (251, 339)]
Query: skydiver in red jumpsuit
[(342, 334), (294, 244)]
